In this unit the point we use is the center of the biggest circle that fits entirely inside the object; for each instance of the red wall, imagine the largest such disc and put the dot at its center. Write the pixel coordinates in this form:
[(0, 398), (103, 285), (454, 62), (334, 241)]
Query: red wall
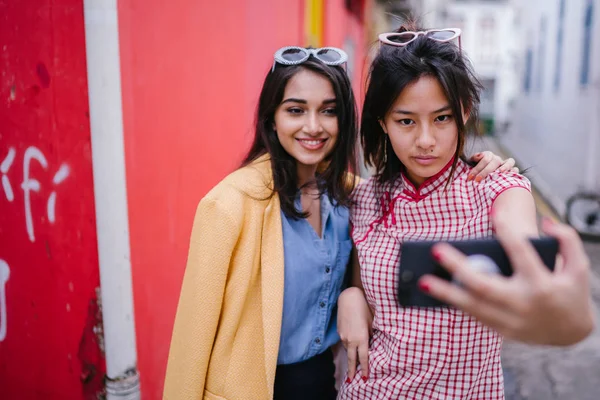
[(191, 74), (345, 28), (49, 350)]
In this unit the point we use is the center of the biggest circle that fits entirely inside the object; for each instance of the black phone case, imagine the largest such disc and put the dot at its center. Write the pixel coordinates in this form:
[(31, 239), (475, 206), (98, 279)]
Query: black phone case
[(416, 260)]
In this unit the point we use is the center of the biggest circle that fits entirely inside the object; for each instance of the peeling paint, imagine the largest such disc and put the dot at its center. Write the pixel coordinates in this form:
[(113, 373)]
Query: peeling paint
[(43, 74), (91, 352)]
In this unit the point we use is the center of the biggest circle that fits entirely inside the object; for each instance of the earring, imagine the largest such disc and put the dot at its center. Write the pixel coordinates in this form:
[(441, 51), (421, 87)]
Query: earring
[(385, 151)]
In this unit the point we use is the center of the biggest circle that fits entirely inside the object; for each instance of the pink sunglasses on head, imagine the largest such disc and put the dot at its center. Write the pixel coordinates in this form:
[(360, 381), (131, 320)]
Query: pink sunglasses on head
[(403, 38)]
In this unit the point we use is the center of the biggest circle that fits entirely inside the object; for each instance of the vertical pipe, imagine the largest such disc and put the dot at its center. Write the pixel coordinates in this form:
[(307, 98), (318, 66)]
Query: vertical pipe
[(110, 193)]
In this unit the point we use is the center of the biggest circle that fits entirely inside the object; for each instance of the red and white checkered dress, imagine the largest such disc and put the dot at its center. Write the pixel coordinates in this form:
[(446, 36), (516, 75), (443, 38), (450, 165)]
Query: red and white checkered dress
[(437, 353)]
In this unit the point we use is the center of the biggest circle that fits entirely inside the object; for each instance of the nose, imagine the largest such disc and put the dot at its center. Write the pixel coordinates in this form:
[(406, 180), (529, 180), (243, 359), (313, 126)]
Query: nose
[(312, 125), (426, 138)]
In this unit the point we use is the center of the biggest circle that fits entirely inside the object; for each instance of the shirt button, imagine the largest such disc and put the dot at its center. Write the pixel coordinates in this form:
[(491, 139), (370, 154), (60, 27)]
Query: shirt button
[(322, 304), (317, 340), (327, 270)]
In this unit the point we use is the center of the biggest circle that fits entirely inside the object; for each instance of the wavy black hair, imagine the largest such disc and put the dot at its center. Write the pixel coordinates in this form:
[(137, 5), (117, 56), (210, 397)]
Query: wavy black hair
[(334, 178)]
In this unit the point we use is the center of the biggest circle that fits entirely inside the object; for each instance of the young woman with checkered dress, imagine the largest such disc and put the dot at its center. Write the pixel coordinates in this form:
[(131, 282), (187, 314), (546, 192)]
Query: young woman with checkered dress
[(421, 102)]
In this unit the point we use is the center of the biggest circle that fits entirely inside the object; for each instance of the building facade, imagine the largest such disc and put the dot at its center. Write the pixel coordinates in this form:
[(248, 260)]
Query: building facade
[(555, 129)]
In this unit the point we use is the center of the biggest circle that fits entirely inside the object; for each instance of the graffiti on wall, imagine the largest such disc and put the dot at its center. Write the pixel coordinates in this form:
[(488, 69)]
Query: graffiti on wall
[(29, 185)]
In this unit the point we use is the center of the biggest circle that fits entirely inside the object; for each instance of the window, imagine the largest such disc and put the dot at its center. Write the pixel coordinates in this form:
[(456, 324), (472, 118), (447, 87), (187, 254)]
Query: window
[(587, 43), (559, 44), (487, 39)]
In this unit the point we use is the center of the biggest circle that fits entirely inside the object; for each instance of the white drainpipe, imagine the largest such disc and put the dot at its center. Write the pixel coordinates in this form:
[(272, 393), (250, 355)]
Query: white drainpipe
[(110, 193)]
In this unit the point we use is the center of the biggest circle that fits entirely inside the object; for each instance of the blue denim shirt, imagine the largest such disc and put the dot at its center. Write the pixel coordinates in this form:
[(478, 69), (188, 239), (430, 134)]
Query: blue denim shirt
[(315, 268)]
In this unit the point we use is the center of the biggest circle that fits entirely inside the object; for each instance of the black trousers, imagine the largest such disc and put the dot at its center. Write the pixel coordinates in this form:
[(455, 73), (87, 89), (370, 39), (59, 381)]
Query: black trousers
[(312, 379)]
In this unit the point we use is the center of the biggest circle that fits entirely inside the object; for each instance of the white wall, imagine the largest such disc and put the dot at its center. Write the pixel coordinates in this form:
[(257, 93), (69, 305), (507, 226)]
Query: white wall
[(552, 129)]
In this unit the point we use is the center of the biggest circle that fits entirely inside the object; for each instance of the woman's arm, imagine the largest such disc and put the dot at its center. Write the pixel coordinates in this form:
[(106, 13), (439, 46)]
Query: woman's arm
[(213, 239), (517, 207), (355, 320)]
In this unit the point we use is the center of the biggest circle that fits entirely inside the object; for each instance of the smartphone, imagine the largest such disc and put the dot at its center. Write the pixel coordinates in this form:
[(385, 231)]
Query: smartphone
[(416, 260)]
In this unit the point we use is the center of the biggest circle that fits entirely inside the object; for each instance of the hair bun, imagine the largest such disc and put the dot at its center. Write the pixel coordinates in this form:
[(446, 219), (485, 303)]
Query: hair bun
[(410, 25)]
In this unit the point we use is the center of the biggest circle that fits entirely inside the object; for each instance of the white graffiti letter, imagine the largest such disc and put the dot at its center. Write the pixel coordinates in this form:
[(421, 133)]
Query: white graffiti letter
[(61, 175), (4, 275), (4, 167), (30, 185)]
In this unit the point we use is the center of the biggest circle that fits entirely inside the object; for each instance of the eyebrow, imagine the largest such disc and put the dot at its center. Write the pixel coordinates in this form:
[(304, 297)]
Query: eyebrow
[(439, 110), (302, 101)]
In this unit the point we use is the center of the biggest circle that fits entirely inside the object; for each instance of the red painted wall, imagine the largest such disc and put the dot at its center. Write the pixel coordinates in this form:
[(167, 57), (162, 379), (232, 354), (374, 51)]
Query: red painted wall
[(345, 28), (48, 348), (191, 75)]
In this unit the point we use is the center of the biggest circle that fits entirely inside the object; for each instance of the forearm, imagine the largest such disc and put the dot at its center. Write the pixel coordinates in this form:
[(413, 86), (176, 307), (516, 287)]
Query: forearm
[(352, 300)]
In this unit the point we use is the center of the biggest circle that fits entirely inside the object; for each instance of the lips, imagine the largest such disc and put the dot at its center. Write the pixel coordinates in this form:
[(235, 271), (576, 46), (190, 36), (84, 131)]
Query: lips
[(312, 144), (425, 160)]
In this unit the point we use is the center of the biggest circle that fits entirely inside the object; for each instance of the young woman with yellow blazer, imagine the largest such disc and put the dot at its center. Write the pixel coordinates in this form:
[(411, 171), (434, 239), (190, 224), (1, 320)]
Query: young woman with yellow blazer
[(270, 245)]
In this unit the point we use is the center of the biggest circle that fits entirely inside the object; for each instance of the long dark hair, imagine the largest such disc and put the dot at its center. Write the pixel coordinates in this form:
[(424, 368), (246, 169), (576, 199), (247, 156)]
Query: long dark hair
[(334, 178), (396, 67)]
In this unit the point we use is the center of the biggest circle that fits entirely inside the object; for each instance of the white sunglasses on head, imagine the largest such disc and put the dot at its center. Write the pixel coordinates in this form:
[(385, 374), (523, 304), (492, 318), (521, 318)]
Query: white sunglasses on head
[(294, 55)]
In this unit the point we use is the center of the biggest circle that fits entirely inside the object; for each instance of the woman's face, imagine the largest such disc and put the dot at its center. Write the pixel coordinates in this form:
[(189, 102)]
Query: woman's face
[(421, 128), (306, 120)]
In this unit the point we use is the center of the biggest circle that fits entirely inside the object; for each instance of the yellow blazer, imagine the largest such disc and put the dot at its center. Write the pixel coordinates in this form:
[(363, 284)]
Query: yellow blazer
[(226, 335)]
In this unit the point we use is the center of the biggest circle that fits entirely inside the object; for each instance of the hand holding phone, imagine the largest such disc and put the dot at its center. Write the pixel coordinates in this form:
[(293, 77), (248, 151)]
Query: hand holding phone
[(416, 260)]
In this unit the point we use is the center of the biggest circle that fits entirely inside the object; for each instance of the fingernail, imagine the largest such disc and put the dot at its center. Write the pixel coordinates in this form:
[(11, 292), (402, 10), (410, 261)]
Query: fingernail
[(470, 177), (364, 378), (437, 256), (424, 287), (547, 222), (478, 179), (477, 154), (348, 380)]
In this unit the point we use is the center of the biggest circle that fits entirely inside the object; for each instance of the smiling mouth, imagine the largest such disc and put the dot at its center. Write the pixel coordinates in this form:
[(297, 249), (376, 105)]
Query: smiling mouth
[(312, 142)]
